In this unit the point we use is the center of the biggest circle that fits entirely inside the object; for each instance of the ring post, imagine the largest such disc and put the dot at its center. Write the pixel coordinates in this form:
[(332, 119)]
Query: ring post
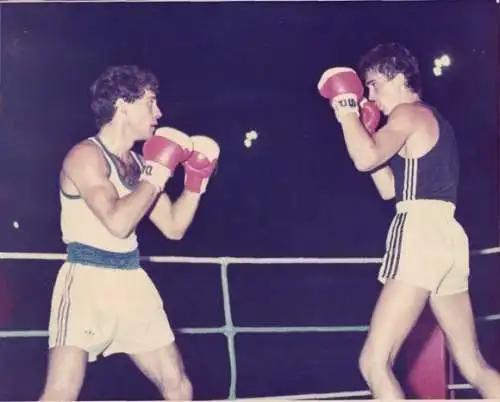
[(426, 359)]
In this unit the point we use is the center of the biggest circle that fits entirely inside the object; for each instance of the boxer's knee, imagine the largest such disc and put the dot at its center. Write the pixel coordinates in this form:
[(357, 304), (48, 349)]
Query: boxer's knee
[(368, 364), (172, 381), (474, 369), (165, 369), (176, 389), (373, 363)]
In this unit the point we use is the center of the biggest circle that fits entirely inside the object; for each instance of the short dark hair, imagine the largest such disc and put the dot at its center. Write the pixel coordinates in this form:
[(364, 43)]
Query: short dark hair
[(127, 82), (390, 59)]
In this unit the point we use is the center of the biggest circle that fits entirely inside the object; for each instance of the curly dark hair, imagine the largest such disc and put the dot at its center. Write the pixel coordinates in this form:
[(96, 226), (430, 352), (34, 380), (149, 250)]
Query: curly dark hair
[(390, 59), (125, 82)]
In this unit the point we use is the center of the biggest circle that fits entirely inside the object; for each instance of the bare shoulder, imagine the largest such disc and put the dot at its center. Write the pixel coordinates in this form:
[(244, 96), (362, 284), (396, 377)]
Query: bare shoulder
[(414, 112), (408, 112), (85, 156), (412, 118), (425, 130)]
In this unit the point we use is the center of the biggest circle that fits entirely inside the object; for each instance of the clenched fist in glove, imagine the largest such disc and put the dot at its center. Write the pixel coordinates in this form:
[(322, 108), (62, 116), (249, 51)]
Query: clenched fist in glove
[(162, 153), (200, 164), (370, 115), (343, 88)]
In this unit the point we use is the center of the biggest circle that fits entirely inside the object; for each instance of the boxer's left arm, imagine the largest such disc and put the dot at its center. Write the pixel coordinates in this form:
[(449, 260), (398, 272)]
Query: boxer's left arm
[(371, 151), (173, 219), (384, 182)]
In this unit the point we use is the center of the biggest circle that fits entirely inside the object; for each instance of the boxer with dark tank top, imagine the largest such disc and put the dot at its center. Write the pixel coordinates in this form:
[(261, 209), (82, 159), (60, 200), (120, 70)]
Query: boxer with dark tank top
[(412, 159)]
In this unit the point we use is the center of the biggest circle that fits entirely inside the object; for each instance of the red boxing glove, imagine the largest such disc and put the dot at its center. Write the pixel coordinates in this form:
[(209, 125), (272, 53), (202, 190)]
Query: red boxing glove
[(201, 164), (370, 115), (338, 81), (162, 153), (342, 86)]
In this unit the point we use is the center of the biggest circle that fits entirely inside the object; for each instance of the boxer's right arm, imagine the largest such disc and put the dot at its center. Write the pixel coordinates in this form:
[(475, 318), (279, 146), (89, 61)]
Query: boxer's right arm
[(384, 181), (86, 168), (382, 176)]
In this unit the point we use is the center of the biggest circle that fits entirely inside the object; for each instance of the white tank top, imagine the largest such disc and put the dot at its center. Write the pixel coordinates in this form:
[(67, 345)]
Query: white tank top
[(80, 225)]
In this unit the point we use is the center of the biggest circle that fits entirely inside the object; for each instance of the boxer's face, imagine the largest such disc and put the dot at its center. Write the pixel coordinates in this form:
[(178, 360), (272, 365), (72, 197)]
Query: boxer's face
[(383, 91), (143, 116)]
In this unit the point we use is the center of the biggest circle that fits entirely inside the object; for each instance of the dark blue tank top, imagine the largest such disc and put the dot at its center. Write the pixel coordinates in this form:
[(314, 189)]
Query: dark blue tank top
[(433, 176)]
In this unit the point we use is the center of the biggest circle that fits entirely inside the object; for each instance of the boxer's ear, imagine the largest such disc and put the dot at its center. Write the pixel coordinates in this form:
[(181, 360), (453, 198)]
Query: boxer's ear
[(121, 106), (400, 80)]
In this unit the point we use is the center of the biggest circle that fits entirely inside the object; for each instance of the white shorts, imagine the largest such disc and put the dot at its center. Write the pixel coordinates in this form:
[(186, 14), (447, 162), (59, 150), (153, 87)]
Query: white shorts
[(103, 310), (427, 247)]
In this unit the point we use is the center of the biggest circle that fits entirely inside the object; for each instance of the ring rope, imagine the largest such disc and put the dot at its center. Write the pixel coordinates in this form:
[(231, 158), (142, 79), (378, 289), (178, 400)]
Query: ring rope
[(229, 329), (314, 396), (233, 330), (231, 260)]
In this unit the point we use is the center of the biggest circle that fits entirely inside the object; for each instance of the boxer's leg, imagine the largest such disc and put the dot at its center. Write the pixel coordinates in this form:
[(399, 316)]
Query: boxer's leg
[(75, 335), (144, 333), (395, 314), (66, 364), (407, 274), (65, 375), (455, 317), (165, 369), (452, 308)]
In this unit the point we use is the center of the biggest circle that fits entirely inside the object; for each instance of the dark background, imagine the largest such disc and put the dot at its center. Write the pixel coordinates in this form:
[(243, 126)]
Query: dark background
[(225, 69)]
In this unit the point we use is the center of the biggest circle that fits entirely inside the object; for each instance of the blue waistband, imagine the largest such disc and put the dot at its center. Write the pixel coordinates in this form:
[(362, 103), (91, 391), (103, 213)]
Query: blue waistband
[(87, 255)]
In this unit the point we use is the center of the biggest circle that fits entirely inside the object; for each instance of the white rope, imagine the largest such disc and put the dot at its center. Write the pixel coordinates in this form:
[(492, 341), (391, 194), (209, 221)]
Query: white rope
[(32, 256), (269, 330), (231, 260), (486, 251), (23, 334), (491, 317), (232, 330), (345, 394), (206, 260), (229, 330), (302, 260), (459, 386)]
